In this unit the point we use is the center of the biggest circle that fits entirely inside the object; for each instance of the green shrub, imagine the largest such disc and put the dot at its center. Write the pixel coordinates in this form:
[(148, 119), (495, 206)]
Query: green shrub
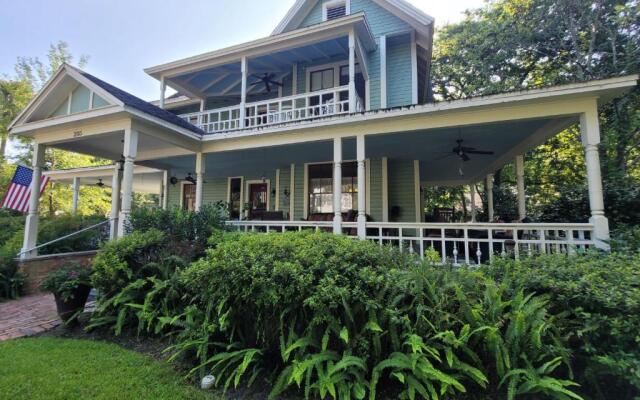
[(598, 297), (11, 281), (65, 280), (334, 317)]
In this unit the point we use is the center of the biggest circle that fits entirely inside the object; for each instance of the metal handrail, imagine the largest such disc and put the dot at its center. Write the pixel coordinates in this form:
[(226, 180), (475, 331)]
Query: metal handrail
[(65, 236)]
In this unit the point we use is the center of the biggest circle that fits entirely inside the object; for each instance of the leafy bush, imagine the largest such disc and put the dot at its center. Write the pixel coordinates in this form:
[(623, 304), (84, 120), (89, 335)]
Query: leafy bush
[(11, 281), (185, 227), (339, 318), (65, 280), (598, 297)]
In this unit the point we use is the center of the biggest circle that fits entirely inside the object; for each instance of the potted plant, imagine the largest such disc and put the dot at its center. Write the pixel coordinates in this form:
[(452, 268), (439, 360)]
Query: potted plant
[(70, 286)]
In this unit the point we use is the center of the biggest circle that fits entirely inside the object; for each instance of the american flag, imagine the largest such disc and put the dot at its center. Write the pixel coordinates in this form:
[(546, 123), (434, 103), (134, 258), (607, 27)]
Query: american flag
[(19, 192)]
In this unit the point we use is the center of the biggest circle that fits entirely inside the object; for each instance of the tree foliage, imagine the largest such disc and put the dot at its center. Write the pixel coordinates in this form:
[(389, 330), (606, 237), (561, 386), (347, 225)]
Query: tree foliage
[(510, 45)]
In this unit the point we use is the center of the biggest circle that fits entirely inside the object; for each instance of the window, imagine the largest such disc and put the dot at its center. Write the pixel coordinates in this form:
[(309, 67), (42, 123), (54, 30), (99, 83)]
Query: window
[(321, 188), (235, 197), (334, 9), (322, 79), (188, 197)]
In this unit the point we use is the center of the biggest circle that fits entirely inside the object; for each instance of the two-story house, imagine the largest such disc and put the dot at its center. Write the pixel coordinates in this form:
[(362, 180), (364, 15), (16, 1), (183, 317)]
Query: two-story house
[(329, 123)]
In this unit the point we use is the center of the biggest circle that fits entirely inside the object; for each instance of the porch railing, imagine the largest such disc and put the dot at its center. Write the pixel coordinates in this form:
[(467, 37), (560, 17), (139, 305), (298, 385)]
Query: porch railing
[(454, 243), (300, 107)]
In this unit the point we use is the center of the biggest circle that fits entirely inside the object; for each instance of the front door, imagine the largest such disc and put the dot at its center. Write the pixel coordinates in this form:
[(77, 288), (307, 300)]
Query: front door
[(189, 197), (258, 193)]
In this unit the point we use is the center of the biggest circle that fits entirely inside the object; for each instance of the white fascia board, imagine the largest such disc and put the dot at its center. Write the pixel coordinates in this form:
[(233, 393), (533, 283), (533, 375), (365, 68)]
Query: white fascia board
[(93, 172), (316, 33), (588, 89), (28, 128), (165, 124)]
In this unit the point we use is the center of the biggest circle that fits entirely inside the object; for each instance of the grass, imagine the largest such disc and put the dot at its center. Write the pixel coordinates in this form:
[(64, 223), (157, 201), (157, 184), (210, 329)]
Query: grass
[(51, 368)]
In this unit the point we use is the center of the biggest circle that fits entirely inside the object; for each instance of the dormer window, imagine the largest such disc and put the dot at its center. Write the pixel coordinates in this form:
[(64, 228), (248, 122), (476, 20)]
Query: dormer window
[(335, 9)]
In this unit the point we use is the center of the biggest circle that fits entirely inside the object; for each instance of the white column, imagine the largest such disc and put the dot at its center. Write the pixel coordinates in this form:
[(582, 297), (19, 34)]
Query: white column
[(590, 131), (116, 184), (337, 186), (414, 69), (416, 191), (129, 153), (200, 166), (76, 195), (292, 191), (243, 91), (352, 71), (165, 190), (31, 223), (522, 205), (489, 189), (277, 207), (163, 90), (362, 189), (383, 71), (472, 195), (385, 190)]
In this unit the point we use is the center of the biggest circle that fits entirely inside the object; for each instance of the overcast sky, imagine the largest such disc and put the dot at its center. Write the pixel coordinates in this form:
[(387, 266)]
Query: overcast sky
[(122, 37)]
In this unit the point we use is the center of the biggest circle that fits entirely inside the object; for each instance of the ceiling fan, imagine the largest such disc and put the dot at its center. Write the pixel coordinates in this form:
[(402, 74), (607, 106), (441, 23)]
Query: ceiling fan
[(463, 151), (99, 183), (267, 80)]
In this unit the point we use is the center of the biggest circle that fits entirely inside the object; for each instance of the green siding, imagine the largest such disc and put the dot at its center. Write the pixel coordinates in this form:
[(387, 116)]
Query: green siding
[(399, 71), (314, 16), (214, 190), (299, 190), (401, 190), (375, 189), (285, 183)]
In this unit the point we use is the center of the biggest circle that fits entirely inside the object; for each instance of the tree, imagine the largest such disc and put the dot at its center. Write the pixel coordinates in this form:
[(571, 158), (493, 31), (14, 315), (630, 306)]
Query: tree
[(512, 45), (14, 96)]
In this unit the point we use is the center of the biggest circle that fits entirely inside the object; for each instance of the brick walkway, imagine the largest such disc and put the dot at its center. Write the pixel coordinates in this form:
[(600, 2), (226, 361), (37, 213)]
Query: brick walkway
[(27, 316)]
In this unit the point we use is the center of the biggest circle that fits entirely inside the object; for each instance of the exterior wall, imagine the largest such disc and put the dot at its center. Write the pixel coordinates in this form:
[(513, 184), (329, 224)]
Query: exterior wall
[(381, 22), (299, 197), (36, 269), (401, 190), (375, 189)]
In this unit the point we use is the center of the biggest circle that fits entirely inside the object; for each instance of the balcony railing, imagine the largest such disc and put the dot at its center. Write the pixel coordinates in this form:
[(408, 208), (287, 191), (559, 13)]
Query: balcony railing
[(455, 243), (280, 110)]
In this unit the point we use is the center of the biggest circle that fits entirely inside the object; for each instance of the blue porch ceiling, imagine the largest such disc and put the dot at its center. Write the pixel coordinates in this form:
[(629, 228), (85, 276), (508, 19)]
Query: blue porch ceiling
[(432, 147), (225, 79)]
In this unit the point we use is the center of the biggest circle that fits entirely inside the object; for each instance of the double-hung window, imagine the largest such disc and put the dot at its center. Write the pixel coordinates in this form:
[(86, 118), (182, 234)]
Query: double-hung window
[(321, 187)]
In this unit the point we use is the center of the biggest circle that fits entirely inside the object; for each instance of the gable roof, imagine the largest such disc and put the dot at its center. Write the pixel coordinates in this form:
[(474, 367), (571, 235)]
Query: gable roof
[(402, 8), (113, 95)]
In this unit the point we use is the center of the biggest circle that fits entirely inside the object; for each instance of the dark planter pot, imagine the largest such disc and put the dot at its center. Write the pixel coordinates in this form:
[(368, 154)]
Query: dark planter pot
[(67, 309)]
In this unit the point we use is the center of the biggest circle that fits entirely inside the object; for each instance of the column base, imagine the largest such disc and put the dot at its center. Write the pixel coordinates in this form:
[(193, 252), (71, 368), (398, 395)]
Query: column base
[(30, 237), (123, 223), (362, 227), (337, 225), (601, 231), (113, 229)]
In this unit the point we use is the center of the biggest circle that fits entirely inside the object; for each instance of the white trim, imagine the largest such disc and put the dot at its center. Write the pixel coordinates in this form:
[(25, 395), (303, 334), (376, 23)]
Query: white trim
[(335, 3), (383, 71), (292, 192), (305, 192), (416, 189), (414, 69), (249, 182), (277, 207), (165, 189), (336, 73), (91, 99), (367, 185), (385, 189)]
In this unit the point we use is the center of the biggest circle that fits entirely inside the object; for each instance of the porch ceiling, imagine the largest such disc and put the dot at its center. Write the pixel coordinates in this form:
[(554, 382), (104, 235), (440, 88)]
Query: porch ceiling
[(433, 147), (225, 80)]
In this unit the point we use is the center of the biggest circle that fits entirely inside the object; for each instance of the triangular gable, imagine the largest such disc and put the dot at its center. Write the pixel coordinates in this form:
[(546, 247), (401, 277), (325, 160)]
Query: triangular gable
[(400, 8), (67, 92)]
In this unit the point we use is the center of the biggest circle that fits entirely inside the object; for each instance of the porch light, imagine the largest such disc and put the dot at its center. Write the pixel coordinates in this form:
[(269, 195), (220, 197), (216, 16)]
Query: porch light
[(286, 192)]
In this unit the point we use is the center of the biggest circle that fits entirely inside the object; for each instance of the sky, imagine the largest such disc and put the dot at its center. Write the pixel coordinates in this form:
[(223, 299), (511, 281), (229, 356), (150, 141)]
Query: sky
[(122, 37)]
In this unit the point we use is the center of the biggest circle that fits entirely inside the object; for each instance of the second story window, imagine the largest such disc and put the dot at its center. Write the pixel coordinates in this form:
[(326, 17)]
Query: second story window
[(322, 79), (335, 9)]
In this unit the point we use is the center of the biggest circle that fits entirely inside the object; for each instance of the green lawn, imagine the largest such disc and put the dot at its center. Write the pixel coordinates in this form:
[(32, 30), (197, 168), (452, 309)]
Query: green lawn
[(48, 368)]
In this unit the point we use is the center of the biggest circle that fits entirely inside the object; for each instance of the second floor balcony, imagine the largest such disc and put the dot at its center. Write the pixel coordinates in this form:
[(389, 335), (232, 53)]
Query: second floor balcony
[(318, 104)]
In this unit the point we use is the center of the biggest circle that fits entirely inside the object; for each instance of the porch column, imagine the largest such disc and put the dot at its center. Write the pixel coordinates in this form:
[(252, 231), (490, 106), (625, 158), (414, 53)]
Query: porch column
[(590, 132), (362, 190), (352, 72), (165, 190), (489, 188), (417, 193), (76, 195), (200, 159), (383, 71), (472, 194), (385, 190), (337, 186), (163, 89), (522, 205), (243, 91), (31, 223), (116, 182), (130, 152)]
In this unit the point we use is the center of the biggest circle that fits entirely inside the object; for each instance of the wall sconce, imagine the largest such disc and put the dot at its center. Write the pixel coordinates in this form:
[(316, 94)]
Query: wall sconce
[(273, 192), (286, 192)]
